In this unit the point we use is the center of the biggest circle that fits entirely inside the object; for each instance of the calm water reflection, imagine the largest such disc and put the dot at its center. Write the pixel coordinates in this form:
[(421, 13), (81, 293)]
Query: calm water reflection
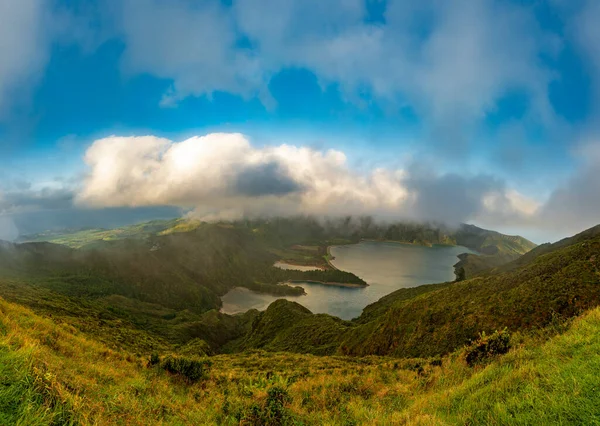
[(384, 266)]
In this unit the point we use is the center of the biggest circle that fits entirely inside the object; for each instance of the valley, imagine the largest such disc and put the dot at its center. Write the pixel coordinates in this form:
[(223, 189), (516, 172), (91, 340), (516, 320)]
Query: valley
[(142, 309), (384, 266)]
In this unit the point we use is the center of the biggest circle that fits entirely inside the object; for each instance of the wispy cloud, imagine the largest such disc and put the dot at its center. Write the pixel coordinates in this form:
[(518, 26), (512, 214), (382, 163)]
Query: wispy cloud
[(23, 47), (451, 60)]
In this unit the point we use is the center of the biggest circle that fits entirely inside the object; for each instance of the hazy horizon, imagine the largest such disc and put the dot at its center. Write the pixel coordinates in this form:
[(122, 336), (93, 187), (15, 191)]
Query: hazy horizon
[(116, 112)]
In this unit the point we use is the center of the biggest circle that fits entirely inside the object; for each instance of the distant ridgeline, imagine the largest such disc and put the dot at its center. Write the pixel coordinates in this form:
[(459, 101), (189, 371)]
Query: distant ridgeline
[(157, 291), (164, 279), (281, 235)]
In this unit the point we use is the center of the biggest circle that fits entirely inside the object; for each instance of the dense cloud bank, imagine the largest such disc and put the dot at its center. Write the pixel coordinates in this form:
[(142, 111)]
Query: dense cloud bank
[(223, 176), (451, 74)]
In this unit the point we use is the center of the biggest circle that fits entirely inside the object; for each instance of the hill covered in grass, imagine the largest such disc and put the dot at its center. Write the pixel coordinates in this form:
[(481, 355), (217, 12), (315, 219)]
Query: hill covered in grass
[(87, 337), (161, 290), (279, 232), (54, 374), (560, 281)]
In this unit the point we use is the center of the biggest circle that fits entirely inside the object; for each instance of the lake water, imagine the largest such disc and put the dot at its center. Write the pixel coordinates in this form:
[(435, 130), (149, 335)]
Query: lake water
[(386, 267)]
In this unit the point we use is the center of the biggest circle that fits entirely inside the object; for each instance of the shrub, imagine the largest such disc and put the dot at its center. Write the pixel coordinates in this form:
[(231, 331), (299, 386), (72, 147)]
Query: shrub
[(192, 369), (154, 359), (272, 413), (486, 346)]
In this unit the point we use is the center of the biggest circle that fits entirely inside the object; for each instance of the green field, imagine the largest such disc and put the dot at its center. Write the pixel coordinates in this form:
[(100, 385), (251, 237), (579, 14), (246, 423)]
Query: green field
[(121, 333)]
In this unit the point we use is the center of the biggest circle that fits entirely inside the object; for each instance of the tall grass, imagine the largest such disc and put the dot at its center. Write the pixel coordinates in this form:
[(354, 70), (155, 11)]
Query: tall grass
[(50, 374)]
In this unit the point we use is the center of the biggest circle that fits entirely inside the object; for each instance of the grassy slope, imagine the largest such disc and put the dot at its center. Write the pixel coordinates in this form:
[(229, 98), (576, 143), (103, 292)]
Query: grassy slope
[(552, 383), (436, 319), (56, 374), (183, 270), (284, 237), (559, 283)]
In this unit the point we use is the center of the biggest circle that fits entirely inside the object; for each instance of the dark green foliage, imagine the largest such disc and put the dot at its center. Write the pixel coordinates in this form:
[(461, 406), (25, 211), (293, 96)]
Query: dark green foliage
[(193, 370), (162, 289), (494, 250), (487, 346), (195, 347), (491, 242), (288, 326), (460, 274), (154, 359), (564, 281), (471, 265), (377, 309), (277, 398), (276, 275), (280, 315), (272, 413)]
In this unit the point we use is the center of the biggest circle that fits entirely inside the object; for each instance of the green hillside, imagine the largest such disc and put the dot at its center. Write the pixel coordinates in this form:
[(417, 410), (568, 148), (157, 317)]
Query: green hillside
[(161, 290), (53, 374), (560, 282), (304, 240), (120, 333)]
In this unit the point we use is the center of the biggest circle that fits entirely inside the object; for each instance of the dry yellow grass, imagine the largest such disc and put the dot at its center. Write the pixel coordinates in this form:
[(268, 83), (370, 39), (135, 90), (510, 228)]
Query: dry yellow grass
[(79, 381)]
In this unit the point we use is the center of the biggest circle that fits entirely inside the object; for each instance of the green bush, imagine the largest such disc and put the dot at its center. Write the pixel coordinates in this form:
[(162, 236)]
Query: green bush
[(272, 413), (193, 370), (486, 346), (154, 359)]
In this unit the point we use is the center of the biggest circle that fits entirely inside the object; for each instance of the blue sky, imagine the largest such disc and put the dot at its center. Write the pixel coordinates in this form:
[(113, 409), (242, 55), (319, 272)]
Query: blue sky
[(500, 95)]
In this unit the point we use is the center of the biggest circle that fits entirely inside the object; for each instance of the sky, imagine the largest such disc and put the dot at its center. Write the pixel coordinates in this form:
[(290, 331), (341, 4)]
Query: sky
[(476, 111)]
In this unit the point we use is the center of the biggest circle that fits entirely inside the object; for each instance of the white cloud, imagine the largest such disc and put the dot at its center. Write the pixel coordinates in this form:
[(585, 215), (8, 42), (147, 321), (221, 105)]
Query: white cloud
[(574, 205), (22, 46), (450, 60), (224, 176), (195, 45), (8, 229)]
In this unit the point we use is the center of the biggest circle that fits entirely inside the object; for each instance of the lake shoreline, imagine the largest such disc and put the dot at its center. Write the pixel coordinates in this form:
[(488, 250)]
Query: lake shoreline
[(386, 267), (303, 265), (331, 257), (333, 284)]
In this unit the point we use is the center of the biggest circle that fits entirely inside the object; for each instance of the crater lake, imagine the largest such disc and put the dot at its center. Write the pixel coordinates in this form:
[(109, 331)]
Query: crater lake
[(385, 266)]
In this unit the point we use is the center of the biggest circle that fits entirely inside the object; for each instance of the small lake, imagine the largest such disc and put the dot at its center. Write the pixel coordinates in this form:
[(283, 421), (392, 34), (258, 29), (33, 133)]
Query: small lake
[(386, 267)]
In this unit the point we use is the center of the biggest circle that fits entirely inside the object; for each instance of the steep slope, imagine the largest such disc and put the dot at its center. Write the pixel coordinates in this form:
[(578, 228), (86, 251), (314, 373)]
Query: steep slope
[(491, 242), (431, 320), (187, 270), (58, 376), (494, 249)]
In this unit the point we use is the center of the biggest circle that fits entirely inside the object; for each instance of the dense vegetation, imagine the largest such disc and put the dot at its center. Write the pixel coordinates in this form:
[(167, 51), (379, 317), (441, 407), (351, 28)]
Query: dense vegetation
[(157, 285), (304, 240), (103, 344), (559, 282), (185, 270), (53, 374)]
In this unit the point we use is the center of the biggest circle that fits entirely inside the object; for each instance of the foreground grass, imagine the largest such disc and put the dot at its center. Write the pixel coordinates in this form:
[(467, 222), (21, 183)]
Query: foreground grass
[(552, 383), (51, 374)]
